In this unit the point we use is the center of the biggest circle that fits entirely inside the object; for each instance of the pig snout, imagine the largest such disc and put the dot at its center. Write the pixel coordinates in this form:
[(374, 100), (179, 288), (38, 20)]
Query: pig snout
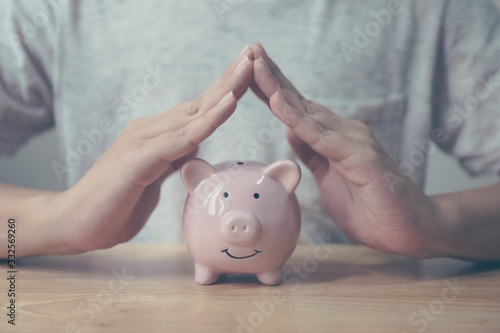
[(240, 228)]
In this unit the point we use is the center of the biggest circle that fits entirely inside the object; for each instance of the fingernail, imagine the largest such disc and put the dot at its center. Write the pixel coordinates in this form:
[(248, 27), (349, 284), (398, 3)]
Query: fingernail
[(277, 93), (226, 98), (242, 52), (257, 43), (241, 64)]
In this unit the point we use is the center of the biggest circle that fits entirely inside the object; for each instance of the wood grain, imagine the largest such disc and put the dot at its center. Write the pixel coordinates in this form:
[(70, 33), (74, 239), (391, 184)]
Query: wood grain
[(328, 288)]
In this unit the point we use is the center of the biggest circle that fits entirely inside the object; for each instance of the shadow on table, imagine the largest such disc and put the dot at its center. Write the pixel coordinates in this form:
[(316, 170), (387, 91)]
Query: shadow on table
[(360, 266), (390, 269), (91, 265), (396, 269)]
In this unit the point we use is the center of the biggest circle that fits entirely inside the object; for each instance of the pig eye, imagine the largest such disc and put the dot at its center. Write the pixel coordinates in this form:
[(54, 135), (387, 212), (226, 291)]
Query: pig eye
[(256, 195), (226, 194)]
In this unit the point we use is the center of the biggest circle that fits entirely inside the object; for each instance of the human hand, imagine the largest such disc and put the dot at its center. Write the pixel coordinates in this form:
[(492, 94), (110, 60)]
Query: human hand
[(351, 170), (112, 202)]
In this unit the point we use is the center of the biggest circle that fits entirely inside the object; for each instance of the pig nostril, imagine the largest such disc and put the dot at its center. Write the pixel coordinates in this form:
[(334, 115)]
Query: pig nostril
[(240, 228)]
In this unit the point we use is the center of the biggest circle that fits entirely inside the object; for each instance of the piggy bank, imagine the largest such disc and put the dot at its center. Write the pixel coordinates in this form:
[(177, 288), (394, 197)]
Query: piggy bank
[(240, 217)]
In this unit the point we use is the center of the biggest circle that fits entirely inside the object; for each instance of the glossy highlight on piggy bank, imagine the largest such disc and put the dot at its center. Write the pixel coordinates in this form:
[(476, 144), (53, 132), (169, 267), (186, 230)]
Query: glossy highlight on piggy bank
[(240, 217)]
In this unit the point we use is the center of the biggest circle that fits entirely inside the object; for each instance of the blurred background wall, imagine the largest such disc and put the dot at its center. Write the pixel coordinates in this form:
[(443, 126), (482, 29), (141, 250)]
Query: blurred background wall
[(31, 167)]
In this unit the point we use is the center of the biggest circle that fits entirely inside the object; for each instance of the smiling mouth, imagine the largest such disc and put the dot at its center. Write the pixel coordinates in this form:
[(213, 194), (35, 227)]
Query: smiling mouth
[(245, 257)]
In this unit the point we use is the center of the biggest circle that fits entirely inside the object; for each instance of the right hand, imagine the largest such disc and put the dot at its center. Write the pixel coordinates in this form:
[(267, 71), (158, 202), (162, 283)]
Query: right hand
[(113, 200)]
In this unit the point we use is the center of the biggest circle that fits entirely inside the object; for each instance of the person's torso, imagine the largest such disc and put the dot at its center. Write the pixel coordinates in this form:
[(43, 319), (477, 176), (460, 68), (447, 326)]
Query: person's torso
[(119, 60)]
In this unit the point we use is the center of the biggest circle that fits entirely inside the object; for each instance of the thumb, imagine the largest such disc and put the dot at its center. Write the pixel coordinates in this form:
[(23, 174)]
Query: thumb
[(317, 163)]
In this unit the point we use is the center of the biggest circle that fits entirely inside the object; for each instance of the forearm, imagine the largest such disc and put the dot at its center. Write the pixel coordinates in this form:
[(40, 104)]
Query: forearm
[(37, 229), (470, 224)]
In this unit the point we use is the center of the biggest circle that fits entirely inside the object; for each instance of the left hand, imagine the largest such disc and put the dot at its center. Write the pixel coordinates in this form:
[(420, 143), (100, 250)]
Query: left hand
[(351, 170)]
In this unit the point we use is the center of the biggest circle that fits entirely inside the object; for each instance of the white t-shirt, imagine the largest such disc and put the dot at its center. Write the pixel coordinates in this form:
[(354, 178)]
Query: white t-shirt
[(411, 70)]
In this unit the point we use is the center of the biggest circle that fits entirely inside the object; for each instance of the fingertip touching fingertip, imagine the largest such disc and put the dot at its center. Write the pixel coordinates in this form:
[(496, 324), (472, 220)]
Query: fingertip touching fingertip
[(243, 51), (259, 44)]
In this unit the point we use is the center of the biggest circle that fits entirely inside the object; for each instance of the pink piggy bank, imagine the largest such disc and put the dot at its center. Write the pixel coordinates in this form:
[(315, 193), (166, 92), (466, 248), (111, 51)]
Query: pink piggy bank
[(240, 217)]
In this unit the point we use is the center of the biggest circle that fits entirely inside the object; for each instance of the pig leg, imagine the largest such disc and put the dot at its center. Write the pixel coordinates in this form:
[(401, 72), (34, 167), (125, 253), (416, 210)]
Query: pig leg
[(270, 278), (204, 275)]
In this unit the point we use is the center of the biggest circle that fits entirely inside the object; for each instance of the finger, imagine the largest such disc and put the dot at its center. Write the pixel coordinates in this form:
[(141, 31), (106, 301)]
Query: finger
[(314, 161), (269, 80), (256, 90), (236, 78), (331, 144), (175, 144), (267, 75), (170, 120), (265, 80)]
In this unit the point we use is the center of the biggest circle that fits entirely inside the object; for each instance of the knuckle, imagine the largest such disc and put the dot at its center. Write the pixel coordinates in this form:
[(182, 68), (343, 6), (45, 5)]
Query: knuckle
[(329, 137), (196, 101), (323, 131), (180, 132), (309, 107), (192, 143), (191, 109)]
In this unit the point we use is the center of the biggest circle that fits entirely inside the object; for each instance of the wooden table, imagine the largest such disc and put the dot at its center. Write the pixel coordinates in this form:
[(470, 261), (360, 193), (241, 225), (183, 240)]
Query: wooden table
[(328, 288)]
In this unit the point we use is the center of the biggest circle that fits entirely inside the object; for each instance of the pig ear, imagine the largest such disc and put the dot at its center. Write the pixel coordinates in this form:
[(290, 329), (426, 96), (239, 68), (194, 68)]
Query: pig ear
[(286, 172), (194, 171)]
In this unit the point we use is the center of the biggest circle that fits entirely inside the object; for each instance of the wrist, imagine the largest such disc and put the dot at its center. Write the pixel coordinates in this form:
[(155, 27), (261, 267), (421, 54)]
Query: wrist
[(447, 214), (45, 232)]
